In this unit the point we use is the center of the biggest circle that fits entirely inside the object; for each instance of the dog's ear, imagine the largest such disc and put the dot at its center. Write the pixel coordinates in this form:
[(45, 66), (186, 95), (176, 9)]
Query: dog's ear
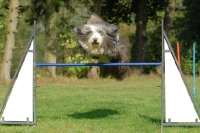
[(94, 19), (79, 30), (112, 29)]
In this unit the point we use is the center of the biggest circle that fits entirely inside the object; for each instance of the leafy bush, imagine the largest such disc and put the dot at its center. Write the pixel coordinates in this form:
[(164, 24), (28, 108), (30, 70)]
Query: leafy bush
[(77, 71), (187, 62), (186, 65), (70, 53)]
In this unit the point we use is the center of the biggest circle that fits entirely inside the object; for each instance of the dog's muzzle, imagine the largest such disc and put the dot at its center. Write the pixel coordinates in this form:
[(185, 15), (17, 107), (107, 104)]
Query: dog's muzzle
[(95, 42)]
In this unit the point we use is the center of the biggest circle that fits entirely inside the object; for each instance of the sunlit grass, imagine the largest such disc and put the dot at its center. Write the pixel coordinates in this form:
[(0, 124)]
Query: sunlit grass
[(98, 106)]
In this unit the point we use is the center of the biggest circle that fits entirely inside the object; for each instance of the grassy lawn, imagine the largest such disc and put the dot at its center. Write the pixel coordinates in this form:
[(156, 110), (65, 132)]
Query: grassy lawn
[(98, 106)]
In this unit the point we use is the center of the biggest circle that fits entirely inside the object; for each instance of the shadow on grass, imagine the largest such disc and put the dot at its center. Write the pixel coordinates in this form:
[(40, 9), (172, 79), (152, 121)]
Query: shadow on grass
[(153, 120), (94, 114)]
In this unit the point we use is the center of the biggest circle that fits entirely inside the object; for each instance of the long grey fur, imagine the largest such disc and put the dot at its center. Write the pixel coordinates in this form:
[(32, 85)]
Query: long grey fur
[(102, 40)]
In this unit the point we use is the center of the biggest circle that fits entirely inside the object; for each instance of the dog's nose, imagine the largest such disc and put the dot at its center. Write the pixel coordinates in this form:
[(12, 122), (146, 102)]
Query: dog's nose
[(95, 39)]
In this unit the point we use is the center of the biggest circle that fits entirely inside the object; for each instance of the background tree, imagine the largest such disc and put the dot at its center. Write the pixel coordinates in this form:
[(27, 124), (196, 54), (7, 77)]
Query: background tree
[(10, 39), (141, 20), (144, 10), (56, 25), (47, 13), (97, 7), (50, 16), (189, 23), (186, 26), (169, 16)]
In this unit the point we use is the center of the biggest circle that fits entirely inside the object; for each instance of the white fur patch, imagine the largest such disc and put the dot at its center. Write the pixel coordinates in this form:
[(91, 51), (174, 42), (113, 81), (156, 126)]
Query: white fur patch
[(101, 50), (95, 45), (85, 46)]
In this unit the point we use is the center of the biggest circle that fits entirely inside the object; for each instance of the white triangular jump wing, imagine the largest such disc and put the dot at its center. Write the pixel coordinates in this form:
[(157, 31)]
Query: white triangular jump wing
[(19, 106), (179, 106)]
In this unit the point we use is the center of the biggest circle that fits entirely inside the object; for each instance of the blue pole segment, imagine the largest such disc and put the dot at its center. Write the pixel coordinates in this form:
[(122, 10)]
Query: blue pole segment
[(99, 64), (194, 72)]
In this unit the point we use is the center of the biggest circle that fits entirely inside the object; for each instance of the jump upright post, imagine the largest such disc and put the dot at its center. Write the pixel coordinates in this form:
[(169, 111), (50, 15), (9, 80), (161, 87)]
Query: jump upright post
[(194, 69)]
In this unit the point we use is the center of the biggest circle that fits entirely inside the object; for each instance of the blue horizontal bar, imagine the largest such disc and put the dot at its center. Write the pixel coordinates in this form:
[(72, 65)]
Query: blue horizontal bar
[(100, 64)]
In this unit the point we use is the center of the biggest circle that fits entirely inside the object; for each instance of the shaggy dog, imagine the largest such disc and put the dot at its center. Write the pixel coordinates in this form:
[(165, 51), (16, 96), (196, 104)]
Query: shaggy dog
[(102, 41)]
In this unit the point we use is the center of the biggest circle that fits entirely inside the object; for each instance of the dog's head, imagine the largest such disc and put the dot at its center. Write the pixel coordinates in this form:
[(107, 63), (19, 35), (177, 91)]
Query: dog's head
[(98, 37)]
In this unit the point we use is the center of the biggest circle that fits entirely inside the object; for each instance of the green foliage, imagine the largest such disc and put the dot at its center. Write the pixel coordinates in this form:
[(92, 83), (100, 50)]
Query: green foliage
[(122, 10), (154, 47), (154, 7), (187, 62), (37, 9), (3, 25), (3, 28), (117, 11), (190, 21), (198, 68), (187, 31), (77, 71), (186, 65), (71, 53), (69, 40), (73, 13)]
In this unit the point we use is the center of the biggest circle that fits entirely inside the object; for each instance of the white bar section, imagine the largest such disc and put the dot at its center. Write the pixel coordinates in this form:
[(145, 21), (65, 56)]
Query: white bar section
[(19, 106), (179, 107)]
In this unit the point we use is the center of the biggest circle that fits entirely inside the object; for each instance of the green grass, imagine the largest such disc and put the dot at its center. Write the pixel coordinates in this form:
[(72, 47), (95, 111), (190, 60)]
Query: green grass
[(98, 106)]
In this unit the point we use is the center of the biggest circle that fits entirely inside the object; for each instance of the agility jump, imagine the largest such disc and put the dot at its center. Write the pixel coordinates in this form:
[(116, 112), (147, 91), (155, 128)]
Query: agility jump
[(178, 106)]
